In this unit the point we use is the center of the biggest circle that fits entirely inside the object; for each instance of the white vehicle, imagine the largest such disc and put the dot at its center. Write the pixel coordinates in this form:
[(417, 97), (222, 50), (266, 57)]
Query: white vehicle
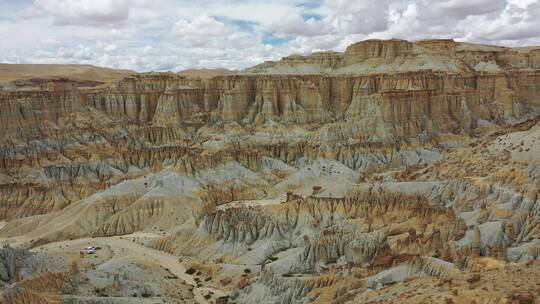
[(91, 249)]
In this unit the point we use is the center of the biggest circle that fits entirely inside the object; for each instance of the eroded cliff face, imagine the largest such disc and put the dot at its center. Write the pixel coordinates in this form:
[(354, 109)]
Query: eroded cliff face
[(442, 100), (442, 97), (390, 105), (392, 161), (90, 139)]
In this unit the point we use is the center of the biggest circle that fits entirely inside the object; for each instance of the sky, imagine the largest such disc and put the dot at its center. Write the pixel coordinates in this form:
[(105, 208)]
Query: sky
[(173, 35)]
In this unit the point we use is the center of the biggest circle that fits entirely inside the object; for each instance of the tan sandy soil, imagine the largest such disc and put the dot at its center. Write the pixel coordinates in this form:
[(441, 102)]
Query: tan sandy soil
[(9, 72), (206, 73), (501, 285)]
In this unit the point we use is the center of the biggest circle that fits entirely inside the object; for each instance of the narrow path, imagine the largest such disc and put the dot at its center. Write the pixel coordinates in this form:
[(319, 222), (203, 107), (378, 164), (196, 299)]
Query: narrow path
[(254, 203)]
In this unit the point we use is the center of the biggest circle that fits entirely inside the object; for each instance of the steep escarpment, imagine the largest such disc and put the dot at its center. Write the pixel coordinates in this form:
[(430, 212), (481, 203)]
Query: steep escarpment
[(444, 100), (390, 56), (439, 98), (99, 137)]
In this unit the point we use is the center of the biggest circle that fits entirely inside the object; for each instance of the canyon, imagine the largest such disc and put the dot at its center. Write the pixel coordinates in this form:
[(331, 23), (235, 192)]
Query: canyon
[(392, 172)]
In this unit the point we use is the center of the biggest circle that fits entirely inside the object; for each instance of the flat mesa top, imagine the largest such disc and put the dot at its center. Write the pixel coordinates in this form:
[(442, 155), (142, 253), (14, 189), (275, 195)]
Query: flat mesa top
[(10, 72)]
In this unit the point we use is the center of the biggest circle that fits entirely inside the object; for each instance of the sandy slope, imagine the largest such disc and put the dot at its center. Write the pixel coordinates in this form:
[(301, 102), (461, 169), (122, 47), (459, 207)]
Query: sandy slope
[(206, 73), (522, 146), (77, 72), (254, 203)]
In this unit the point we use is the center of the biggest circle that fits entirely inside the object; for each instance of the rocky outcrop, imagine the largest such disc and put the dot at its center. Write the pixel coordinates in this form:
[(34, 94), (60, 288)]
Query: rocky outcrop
[(373, 49), (311, 225)]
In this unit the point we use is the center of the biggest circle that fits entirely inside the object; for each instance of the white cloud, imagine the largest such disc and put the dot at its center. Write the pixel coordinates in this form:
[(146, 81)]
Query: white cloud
[(521, 3), (358, 16), (460, 8), (201, 26), (177, 34), (294, 24), (100, 45), (77, 12), (514, 23)]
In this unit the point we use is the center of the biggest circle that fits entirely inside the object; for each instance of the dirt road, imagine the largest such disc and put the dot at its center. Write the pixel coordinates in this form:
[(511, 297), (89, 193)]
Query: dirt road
[(124, 246)]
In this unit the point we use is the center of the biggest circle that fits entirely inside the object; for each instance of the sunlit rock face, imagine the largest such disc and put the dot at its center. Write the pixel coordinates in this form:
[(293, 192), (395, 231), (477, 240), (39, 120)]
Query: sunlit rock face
[(326, 178)]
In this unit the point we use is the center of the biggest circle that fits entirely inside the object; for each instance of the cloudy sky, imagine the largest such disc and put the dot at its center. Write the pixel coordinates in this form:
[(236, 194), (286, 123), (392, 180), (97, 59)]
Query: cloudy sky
[(163, 35)]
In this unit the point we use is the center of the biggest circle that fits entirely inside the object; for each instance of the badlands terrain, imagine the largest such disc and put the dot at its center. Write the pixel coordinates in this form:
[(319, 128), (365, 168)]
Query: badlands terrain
[(394, 172)]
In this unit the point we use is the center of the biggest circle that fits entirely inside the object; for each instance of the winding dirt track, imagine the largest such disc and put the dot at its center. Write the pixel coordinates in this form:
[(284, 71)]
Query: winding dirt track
[(124, 246)]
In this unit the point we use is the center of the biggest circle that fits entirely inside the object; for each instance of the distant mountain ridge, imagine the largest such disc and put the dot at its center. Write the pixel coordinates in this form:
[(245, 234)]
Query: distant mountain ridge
[(396, 55), (11, 72)]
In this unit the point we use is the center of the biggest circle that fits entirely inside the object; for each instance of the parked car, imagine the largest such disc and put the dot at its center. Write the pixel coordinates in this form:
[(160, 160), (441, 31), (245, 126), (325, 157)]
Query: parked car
[(91, 249)]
